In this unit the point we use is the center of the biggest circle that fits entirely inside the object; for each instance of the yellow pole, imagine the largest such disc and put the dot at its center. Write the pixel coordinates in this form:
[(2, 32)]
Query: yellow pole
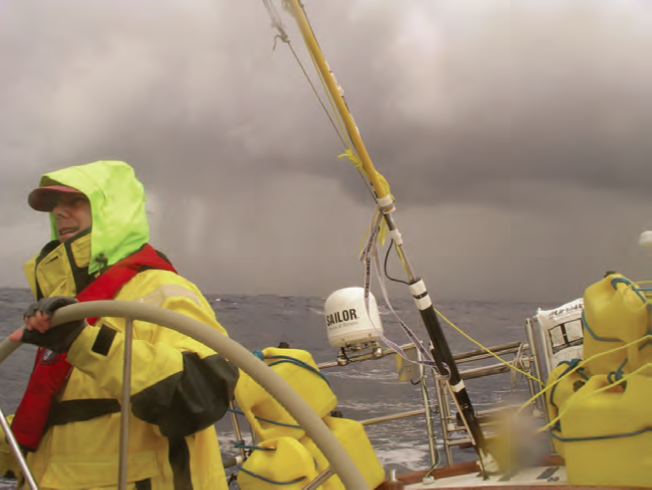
[(442, 353), (333, 88)]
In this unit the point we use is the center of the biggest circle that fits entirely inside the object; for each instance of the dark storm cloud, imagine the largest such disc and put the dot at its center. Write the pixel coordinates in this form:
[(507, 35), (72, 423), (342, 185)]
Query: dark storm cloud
[(475, 111), (563, 97), (521, 96)]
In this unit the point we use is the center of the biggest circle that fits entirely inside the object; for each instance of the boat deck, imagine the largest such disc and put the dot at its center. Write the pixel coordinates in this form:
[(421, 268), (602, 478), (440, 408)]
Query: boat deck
[(551, 474), (530, 478)]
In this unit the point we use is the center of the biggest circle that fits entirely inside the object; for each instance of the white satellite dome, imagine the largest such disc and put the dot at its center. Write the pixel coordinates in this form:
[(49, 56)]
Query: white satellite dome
[(347, 321), (645, 240)]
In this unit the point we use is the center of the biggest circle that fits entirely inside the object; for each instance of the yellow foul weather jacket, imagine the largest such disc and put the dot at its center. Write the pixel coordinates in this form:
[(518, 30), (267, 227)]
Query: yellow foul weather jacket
[(179, 388)]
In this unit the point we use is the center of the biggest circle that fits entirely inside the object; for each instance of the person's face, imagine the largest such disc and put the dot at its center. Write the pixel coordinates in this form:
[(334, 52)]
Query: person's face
[(72, 214)]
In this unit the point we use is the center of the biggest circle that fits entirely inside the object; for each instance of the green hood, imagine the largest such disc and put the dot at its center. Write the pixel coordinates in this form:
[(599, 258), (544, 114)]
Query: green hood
[(117, 205)]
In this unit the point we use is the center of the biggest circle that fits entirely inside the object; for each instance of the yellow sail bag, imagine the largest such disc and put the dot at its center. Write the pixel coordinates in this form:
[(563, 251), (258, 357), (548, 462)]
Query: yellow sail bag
[(353, 438), (266, 416), (281, 462)]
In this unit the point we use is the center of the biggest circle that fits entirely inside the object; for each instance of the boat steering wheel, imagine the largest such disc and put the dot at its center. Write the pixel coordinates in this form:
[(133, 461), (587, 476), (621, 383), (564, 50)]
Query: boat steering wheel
[(315, 428)]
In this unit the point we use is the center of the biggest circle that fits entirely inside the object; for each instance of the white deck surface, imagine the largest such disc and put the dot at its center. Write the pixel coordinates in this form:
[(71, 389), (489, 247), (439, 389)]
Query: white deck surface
[(539, 476)]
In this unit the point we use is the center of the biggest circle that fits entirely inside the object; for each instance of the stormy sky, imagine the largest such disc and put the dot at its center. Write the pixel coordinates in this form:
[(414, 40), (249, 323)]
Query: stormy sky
[(516, 136)]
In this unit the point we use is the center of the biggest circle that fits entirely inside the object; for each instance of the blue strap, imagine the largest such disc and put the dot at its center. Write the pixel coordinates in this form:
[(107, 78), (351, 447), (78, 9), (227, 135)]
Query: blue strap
[(298, 363), (614, 282), (645, 344), (617, 374), (268, 420), (627, 282), (296, 480), (279, 423), (241, 445), (572, 364), (260, 355), (601, 339), (598, 438)]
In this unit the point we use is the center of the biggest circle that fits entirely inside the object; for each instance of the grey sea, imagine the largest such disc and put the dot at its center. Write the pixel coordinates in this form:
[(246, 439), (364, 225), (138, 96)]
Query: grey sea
[(364, 390)]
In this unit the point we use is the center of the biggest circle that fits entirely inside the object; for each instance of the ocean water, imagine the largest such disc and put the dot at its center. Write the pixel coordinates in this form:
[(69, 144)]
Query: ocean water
[(364, 390)]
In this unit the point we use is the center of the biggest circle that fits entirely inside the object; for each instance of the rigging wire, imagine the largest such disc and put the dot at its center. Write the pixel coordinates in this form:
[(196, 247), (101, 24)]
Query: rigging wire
[(345, 131), (321, 102), (277, 23), (341, 132)]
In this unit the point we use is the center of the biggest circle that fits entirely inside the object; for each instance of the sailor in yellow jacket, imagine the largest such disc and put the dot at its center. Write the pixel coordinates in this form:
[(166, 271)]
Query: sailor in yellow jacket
[(68, 421)]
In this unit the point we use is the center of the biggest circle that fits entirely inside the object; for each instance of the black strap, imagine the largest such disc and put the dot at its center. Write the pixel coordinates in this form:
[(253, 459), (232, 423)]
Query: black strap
[(179, 458), (44, 252), (104, 340), (69, 411), (80, 274)]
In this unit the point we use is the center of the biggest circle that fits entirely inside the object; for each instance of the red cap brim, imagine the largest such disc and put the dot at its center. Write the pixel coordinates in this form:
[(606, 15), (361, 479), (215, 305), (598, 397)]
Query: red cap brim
[(45, 198)]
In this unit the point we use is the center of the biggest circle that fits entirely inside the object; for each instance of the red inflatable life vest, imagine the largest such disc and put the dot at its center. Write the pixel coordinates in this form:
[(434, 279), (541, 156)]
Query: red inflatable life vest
[(51, 370)]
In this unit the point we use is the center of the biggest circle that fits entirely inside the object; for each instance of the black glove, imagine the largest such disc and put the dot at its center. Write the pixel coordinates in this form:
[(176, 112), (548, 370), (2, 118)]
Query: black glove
[(58, 339)]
